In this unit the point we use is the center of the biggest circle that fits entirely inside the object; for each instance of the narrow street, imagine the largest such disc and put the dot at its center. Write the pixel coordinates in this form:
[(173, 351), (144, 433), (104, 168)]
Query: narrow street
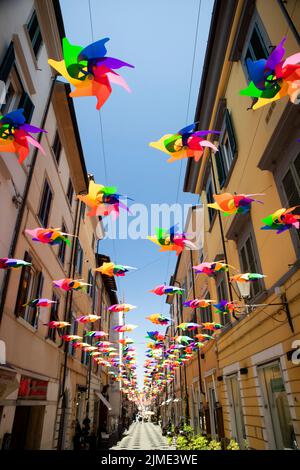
[(143, 436)]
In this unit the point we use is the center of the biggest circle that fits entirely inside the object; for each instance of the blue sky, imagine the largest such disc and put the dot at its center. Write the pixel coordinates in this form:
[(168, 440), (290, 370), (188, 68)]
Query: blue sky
[(158, 38)]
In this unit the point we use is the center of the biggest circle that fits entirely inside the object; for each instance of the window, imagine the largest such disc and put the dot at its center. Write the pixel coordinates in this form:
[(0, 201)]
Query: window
[(62, 247), (210, 200), (227, 149), (184, 291), (222, 295), (291, 187), (30, 287), (45, 204), (206, 316), (84, 354), (70, 192), (257, 45), (15, 96), (35, 35), (90, 289), (82, 210), (249, 264), (78, 258), (56, 147), (73, 331), (53, 317)]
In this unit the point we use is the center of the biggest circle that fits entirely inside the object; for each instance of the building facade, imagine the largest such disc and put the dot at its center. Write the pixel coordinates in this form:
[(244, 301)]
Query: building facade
[(47, 386), (248, 374)]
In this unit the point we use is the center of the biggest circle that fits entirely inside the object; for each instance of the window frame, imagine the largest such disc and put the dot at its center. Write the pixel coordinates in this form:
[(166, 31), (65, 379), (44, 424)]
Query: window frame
[(61, 253), (56, 147), (70, 192), (54, 316), (37, 37), (39, 214), (221, 280), (225, 162), (79, 250)]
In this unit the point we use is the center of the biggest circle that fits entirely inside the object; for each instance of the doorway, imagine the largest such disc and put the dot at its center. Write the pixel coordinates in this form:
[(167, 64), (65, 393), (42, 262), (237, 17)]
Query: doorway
[(236, 411), (280, 426), (27, 427)]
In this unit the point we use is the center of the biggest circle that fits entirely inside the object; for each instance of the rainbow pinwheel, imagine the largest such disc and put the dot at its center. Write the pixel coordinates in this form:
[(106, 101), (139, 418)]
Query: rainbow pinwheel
[(57, 324), (88, 318), (40, 303), (189, 326), (70, 338), (211, 326), (7, 263), (15, 134), (225, 306), (169, 240), (167, 290), (116, 308), (203, 337), (196, 303), (102, 200), (158, 319), (123, 328), (111, 269), (155, 336), (125, 341), (96, 334), (70, 284), (89, 70), (187, 142), (282, 220), (273, 78), (231, 204), (246, 277), (211, 268), (50, 236), (182, 339)]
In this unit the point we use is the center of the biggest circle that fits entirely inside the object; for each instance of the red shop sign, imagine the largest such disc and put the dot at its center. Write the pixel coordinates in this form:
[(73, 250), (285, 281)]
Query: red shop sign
[(32, 388)]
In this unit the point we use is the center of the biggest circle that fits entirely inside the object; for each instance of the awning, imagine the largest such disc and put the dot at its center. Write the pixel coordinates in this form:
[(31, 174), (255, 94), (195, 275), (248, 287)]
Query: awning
[(103, 399)]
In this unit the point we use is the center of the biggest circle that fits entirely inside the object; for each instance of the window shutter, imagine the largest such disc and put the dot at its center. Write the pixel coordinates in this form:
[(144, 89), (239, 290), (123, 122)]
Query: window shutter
[(231, 133), (220, 167), (27, 105), (7, 63)]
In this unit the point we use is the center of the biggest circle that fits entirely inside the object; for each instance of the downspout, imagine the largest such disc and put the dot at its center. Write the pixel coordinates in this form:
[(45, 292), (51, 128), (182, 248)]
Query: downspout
[(289, 20), (18, 223)]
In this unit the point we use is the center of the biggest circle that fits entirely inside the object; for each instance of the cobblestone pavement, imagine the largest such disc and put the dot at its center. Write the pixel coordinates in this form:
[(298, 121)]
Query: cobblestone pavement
[(143, 436)]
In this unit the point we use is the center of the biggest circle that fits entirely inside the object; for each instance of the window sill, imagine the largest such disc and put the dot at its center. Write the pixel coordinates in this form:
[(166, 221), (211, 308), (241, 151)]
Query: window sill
[(26, 324), (52, 343)]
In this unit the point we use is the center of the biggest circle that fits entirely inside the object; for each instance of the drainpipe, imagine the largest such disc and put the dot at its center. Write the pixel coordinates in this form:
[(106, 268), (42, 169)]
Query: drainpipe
[(289, 20), (18, 223)]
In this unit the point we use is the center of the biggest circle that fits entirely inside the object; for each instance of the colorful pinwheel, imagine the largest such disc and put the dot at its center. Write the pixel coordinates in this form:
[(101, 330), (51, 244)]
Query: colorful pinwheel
[(89, 70), (158, 319), (70, 284), (196, 303), (88, 318), (189, 326), (57, 324), (125, 341), (169, 240), (123, 328), (155, 336), (96, 334), (102, 200), (225, 306), (167, 290), (211, 326), (211, 268), (70, 338), (111, 269), (15, 134), (116, 308), (203, 337), (50, 236), (7, 263), (40, 303), (274, 78), (246, 277), (182, 339), (231, 204), (282, 220), (187, 142)]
